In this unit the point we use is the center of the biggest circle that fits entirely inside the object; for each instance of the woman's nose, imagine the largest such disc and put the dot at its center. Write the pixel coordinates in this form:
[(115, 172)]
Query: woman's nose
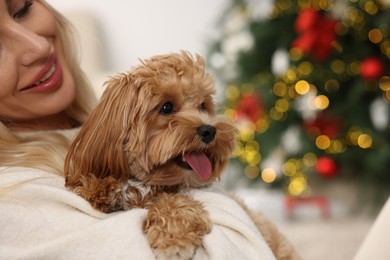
[(28, 45)]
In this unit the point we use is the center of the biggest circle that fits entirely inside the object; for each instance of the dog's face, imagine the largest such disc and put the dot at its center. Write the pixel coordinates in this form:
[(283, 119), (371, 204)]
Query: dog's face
[(157, 124)]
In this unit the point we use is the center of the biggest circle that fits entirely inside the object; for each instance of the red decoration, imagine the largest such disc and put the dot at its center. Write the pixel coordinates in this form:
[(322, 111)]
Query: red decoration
[(250, 106), (316, 34), (326, 167), (371, 68), (292, 202), (324, 124)]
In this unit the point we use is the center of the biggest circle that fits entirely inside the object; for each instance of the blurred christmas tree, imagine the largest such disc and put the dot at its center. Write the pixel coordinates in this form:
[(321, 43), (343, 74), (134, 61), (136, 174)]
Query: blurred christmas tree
[(308, 83)]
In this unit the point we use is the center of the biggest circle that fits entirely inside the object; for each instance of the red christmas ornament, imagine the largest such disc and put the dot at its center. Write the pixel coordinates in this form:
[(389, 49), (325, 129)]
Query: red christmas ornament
[(326, 167), (371, 68), (323, 124), (250, 107), (316, 34), (306, 20)]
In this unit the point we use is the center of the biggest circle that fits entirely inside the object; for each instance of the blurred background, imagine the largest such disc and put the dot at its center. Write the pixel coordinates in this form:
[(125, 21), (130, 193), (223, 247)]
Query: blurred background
[(115, 34), (306, 81)]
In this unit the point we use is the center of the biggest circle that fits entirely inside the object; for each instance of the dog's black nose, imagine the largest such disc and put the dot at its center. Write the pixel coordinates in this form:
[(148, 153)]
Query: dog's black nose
[(207, 133)]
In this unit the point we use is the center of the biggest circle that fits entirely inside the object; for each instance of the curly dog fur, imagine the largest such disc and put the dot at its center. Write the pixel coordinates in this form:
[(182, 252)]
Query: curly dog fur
[(155, 132)]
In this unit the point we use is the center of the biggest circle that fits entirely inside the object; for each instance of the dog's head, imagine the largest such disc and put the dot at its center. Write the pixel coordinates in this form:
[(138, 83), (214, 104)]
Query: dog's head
[(157, 124)]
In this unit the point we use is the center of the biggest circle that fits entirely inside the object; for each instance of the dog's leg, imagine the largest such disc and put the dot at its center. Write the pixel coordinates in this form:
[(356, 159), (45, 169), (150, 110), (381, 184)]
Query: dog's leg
[(175, 226), (103, 194)]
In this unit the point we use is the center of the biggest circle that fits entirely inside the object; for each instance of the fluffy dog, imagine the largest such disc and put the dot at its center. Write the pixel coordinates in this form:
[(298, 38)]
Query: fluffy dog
[(154, 132)]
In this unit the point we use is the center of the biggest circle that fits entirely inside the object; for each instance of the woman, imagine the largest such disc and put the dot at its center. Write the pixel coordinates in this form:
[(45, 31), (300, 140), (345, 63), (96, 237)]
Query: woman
[(44, 97), (39, 73)]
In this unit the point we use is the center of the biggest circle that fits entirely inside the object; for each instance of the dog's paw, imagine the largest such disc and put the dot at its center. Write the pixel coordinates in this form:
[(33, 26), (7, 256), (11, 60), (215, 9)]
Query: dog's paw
[(175, 226), (103, 194)]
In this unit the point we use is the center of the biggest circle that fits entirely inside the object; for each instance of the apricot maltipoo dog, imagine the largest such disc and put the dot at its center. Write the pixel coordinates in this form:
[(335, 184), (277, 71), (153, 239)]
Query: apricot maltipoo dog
[(154, 132)]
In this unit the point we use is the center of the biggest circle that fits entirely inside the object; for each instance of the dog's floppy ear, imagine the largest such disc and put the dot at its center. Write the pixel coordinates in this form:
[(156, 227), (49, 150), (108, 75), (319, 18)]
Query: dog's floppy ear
[(98, 148)]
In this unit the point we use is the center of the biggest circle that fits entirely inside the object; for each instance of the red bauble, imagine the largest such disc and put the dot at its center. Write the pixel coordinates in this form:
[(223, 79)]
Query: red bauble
[(326, 167), (371, 68), (316, 34), (324, 124), (250, 107), (306, 20)]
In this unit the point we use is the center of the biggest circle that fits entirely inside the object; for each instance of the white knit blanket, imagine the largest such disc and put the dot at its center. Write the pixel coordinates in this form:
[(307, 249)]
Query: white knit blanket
[(40, 219)]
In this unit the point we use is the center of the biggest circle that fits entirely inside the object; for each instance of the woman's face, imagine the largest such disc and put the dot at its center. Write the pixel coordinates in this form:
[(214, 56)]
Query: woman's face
[(35, 81)]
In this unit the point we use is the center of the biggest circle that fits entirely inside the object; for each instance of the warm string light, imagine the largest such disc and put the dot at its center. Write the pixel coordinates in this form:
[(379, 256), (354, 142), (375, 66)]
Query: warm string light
[(296, 170), (385, 48), (302, 87), (357, 137), (298, 183), (384, 84), (248, 151), (268, 175), (370, 7)]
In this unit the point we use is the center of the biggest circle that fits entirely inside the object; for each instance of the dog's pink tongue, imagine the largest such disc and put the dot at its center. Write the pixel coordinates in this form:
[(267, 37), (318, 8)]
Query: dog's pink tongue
[(200, 164)]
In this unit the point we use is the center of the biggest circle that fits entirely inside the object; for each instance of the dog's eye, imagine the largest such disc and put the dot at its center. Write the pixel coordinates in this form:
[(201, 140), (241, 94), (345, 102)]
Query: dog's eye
[(167, 108), (202, 106)]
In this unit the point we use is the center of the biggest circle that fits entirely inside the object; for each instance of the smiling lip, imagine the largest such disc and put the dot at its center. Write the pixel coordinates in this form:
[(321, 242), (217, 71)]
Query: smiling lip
[(49, 78)]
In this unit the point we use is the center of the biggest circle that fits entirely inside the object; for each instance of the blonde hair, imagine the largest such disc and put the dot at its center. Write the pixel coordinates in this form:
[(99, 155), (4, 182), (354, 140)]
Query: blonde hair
[(47, 150)]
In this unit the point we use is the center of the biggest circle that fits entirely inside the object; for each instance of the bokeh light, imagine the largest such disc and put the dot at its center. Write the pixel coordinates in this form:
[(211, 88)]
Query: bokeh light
[(268, 175), (323, 142), (321, 102), (302, 87), (364, 141)]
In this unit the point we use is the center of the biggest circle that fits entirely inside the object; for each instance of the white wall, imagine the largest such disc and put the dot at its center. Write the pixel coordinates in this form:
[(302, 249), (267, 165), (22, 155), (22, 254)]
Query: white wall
[(135, 29)]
